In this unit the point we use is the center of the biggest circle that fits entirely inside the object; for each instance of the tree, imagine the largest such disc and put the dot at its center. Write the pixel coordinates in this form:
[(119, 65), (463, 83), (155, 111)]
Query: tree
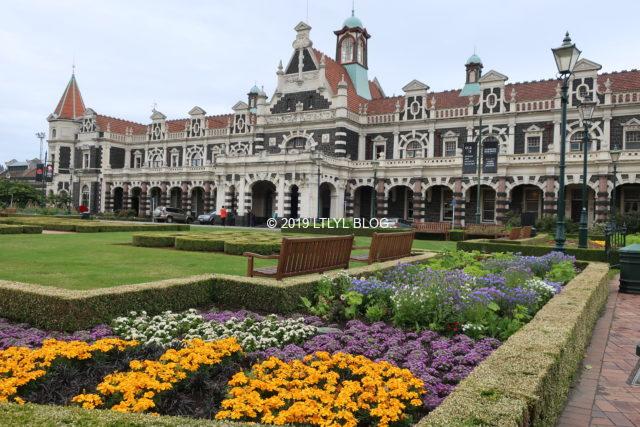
[(18, 194), (61, 200)]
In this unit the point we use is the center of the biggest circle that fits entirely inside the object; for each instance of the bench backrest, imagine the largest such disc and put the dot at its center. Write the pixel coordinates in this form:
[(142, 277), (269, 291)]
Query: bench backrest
[(526, 232), (388, 246), (432, 226), (313, 255)]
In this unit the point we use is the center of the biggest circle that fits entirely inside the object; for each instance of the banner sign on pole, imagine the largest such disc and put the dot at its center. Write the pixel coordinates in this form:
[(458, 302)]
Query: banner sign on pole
[(490, 156), (469, 158)]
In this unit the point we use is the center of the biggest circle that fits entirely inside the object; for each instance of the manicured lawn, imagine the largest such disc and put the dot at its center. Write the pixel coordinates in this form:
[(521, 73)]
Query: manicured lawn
[(97, 260)]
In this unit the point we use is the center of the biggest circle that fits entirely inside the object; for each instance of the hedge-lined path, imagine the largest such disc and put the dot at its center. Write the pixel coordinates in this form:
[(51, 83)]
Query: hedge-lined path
[(603, 396)]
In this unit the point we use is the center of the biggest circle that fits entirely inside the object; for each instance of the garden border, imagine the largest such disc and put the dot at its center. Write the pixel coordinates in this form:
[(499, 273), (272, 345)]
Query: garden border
[(526, 380), (69, 310)]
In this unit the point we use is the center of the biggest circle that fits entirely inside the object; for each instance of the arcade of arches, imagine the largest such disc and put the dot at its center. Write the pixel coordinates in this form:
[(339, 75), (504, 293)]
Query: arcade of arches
[(440, 203)]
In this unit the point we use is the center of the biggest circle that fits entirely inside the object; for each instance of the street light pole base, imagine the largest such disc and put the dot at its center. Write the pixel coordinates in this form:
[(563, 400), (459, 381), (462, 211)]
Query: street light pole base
[(584, 230)]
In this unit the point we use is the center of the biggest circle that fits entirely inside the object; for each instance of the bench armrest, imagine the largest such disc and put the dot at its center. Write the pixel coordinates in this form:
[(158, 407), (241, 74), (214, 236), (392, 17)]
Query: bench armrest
[(254, 255)]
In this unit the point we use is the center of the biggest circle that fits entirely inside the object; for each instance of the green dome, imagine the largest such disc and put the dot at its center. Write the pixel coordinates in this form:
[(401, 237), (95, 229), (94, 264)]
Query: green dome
[(474, 59), (353, 22), (255, 89)]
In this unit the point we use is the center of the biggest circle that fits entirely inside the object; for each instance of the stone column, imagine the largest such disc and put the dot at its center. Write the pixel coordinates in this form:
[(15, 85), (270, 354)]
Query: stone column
[(125, 196), (164, 196), (144, 200), (502, 201), (279, 202), (381, 199), (418, 201), (348, 200), (550, 204), (602, 199), (186, 200), (108, 200), (458, 196), (362, 146), (207, 196)]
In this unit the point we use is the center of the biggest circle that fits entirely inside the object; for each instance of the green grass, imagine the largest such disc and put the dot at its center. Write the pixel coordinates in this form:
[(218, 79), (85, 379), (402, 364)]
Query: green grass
[(98, 260)]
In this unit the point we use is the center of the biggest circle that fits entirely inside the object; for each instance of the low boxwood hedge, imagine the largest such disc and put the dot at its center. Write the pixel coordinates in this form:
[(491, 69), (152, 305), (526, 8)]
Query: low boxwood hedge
[(11, 229), (525, 382), (31, 229), (598, 255), (240, 246), (204, 244), (153, 240), (367, 232), (62, 309), (88, 226)]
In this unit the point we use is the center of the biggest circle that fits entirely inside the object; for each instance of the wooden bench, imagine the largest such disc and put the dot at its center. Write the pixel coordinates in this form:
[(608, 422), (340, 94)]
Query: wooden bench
[(526, 232), (386, 247), (485, 230), (433, 228), (307, 255)]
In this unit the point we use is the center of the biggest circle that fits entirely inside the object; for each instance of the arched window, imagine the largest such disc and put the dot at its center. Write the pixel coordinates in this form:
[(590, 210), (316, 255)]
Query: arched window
[(413, 149), (361, 51), (346, 50), (85, 196), (576, 141)]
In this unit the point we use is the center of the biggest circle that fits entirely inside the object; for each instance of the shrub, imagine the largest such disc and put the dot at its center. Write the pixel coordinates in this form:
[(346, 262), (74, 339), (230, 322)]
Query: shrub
[(10, 229), (190, 243), (456, 235), (32, 229), (149, 240), (239, 246)]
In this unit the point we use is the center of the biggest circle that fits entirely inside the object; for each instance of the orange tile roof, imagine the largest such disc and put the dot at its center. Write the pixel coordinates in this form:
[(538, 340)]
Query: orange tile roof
[(120, 126), (71, 105), (621, 81)]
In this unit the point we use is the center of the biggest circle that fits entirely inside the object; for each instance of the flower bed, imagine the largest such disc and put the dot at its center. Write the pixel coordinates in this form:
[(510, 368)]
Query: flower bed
[(365, 359)]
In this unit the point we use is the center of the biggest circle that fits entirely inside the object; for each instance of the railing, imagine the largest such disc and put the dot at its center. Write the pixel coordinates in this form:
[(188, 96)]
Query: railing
[(355, 117), (450, 113), (625, 98), (542, 105), (381, 118)]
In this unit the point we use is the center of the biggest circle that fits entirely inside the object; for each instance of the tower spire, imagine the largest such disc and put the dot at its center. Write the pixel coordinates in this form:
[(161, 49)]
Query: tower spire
[(71, 105)]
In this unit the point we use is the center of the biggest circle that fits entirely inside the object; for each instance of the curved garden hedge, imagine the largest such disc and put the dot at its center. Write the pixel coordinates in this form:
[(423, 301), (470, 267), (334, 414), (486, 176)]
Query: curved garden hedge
[(232, 243)]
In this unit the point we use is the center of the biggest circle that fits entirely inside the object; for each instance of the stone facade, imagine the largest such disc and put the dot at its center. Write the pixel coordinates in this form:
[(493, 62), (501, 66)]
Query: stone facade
[(323, 146)]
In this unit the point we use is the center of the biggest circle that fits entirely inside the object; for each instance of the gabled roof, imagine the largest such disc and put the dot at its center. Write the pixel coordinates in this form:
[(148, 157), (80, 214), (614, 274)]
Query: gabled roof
[(71, 105)]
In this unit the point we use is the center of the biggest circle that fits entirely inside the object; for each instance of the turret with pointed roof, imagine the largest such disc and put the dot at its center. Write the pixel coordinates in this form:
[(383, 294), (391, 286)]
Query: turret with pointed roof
[(71, 105)]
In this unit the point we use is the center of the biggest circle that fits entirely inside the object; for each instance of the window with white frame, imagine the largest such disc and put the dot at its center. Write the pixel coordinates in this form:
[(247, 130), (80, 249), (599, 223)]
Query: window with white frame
[(156, 159), (196, 160), (575, 143), (450, 146), (346, 50), (534, 144), (137, 159), (414, 149), (632, 139), (175, 158), (86, 160)]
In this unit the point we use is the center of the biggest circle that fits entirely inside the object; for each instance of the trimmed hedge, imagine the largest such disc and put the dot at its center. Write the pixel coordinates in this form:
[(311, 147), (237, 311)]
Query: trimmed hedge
[(240, 246), (598, 255), (12, 414), (88, 226), (527, 379), (152, 240), (62, 309), (366, 232), (203, 244), (456, 235), (20, 229), (10, 229)]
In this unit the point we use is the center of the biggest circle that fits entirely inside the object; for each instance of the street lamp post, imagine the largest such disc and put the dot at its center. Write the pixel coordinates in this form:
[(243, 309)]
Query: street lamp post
[(586, 110), (615, 156), (479, 154), (566, 57)]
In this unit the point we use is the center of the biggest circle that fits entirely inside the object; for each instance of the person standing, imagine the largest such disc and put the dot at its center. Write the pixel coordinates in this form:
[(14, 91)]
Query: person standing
[(223, 215)]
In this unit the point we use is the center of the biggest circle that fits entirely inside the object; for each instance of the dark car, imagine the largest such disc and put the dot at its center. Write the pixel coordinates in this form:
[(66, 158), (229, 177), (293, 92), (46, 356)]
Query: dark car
[(207, 218), (166, 214)]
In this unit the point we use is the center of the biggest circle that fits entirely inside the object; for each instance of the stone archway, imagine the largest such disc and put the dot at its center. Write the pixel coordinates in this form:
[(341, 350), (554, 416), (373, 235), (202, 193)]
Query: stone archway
[(400, 202), (439, 204), (527, 201), (294, 203), (326, 196), (487, 204), (118, 199), (263, 200), (364, 202), (175, 197), (573, 203), (197, 201), (136, 193)]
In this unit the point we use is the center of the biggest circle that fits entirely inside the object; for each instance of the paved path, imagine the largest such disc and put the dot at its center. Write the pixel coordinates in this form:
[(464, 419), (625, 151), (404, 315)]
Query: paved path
[(602, 395)]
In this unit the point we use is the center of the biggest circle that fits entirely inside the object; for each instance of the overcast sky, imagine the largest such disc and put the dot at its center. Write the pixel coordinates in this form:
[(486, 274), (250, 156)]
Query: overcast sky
[(130, 54)]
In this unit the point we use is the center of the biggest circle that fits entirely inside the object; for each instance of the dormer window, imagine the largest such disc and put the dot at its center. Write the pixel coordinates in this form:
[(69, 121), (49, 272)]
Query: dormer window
[(347, 50)]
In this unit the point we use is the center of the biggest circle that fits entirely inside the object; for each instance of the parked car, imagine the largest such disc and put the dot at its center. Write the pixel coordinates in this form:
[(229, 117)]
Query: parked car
[(207, 218), (166, 214), (398, 223)]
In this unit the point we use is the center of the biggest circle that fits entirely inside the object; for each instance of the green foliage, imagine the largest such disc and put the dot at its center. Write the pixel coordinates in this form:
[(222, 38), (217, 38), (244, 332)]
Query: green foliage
[(87, 226), (456, 235), (154, 240), (19, 194), (60, 201), (455, 260), (10, 229), (512, 219), (487, 246), (561, 272), (191, 243), (526, 380), (328, 300)]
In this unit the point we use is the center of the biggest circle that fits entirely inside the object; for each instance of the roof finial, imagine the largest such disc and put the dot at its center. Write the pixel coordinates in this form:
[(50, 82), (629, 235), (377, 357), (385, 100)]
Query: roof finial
[(353, 8), (73, 66)]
